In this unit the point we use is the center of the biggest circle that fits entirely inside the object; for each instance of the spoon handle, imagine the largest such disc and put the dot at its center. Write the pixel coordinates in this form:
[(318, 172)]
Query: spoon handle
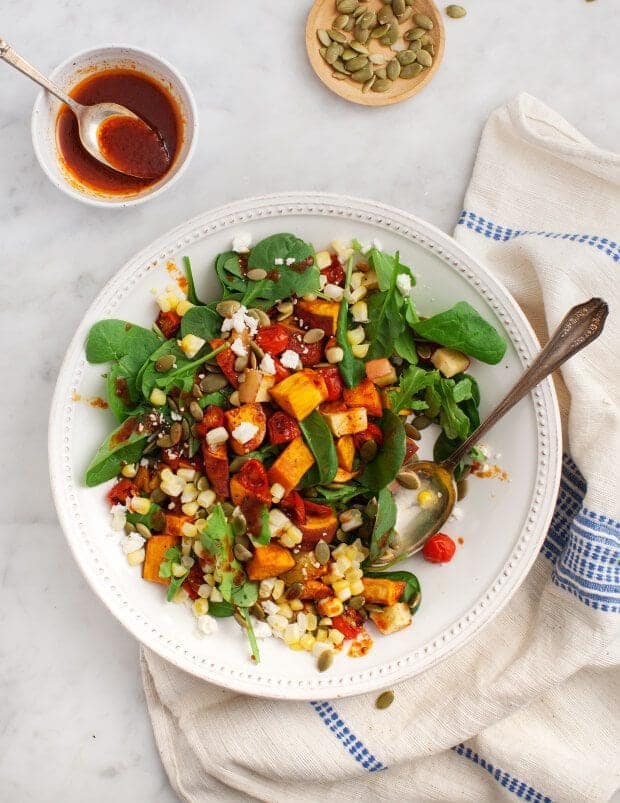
[(15, 60), (581, 325)]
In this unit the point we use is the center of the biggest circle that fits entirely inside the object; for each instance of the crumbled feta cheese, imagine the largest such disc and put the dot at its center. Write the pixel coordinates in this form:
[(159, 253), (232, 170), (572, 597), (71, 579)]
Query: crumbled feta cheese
[(290, 359), (278, 261), (251, 323), (132, 542), (290, 260), (144, 461), (207, 625), (242, 242), (118, 517), (175, 416), (365, 247), (267, 365), (217, 436), (244, 432), (334, 292), (269, 607), (261, 629), (238, 320), (403, 282), (238, 348), (322, 281)]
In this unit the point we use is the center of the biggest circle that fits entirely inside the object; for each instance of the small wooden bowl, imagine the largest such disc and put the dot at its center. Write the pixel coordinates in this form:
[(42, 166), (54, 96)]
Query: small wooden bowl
[(322, 15)]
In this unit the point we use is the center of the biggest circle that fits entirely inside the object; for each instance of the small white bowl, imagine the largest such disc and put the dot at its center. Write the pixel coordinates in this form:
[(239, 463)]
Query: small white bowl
[(74, 70)]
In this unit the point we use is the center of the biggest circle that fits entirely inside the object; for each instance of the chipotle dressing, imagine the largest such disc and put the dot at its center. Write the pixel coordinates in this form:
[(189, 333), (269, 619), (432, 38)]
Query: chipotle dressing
[(152, 149)]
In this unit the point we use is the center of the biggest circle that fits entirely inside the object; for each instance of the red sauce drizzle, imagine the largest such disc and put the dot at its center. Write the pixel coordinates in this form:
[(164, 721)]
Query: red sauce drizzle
[(143, 96)]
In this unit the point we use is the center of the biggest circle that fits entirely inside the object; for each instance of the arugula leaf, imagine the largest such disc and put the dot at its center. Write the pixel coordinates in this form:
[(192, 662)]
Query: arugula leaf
[(384, 524), (412, 594), (112, 340), (351, 369), (191, 287), (381, 471), (221, 609), (244, 595), (155, 519), (464, 329), (411, 382), (265, 533), (321, 442), (279, 246), (201, 321), (251, 636), (124, 445), (452, 419)]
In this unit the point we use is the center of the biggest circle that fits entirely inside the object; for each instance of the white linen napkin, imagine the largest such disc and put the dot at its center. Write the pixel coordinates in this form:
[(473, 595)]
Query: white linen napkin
[(529, 709)]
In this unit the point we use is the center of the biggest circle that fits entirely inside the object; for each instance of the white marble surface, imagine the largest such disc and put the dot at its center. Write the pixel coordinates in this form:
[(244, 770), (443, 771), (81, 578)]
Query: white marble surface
[(73, 724)]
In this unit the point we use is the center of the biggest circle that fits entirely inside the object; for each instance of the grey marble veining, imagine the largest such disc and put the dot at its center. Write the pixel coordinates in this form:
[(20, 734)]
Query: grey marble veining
[(73, 724)]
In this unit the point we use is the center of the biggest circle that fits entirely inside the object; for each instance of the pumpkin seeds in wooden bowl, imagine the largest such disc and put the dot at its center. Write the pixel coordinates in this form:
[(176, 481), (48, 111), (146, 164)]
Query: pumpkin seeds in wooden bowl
[(375, 52)]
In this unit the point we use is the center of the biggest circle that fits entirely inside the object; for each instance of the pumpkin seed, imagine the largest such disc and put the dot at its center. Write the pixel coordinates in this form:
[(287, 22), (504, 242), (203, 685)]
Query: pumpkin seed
[(378, 58), (414, 45), (409, 2), (381, 85), (385, 15), (358, 47), (393, 69), (349, 24), (357, 63), (176, 433), (405, 57), (456, 12), (164, 442), (237, 462), (363, 75), (361, 35), (257, 612), (257, 274), (240, 364), (323, 37), (150, 448), (227, 508), (348, 54), (213, 382), (129, 528), (158, 496), (406, 15), (340, 21), (294, 591), (241, 553), (196, 411), (358, 12), (430, 49), (172, 404), (408, 479), (384, 700), (381, 73), (259, 315), (382, 30), (227, 308), (426, 39), (369, 84), (185, 428), (346, 6), (314, 335), (369, 448), (340, 67), (240, 620), (391, 36), (356, 602), (196, 392), (421, 422), (322, 553), (398, 7), (323, 51), (415, 33), (424, 58), (462, 486), (411, 70), (325, 660), (165, 363), (337, 36), (422, 21), (367, 20), (412, 432), (332, 52), (143, 530), (240, 526)]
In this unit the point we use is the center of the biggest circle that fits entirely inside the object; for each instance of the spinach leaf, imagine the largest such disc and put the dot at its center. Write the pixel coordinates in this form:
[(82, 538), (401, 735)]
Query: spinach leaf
[(412, 594), (230, 274), (266, 292), (351, 369), (218, 398), (342, 495), (124, 445), (191, 287), (220, 609), (381, 471), (201, 321), (279, 246), (387, 308), (462, 328), (182, 376), (120, 392), (112, 340), (412, 381), (265, 533), (155, 519), (384, 523), (321, 443), (404, 346), (264, 454)]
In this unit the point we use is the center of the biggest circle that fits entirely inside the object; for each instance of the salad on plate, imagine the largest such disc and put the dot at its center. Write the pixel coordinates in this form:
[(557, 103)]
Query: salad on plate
[(261, 437)]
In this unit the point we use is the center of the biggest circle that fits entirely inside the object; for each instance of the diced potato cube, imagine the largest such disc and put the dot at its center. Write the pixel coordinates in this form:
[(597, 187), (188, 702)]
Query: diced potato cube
[(300, 393), (364, 395), (269, 561), (291, 464), (382, 591), (450, 361), (319, 315), (345, 449), (347, 423), (392, 618), (381, 372)]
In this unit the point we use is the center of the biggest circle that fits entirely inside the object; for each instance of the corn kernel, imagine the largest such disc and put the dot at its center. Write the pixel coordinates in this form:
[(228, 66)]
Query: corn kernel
[(202, 483), (323, 259), (186, 546), (342, 588), (292, 634), (343, 564), (284, 609), (190, 345), (187, 474), (181, 596), (426, 499), (353, 574), (331, 606), (353, 296), (172, 486), (370, 280), (234, 398), (206, 499), (351, 519), (357, 587), (163, 302), (216, 596), (335, 636), (204, 590), (278, 589), (157, 397), (307, 641), (357, 279), (209, 580), (189, 530), (140, 505), (296, 605), (291, 537), (356, 336), (190, 508), (183, 306), (311, 622), (198, 548), (360, 351), (266, 587), (136, 557), (277, 492), (190, 492), (129, 471), (334, 355), (325, 621), (321, 634), (359, 311), (200, 606), (295, 646)]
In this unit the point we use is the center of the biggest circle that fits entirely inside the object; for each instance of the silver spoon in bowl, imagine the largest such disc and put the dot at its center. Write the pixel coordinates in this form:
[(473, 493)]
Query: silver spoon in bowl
[(90, 118), (581, 325)]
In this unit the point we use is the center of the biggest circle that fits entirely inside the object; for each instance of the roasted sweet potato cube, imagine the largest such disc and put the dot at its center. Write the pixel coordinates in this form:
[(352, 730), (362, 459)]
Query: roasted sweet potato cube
[(301, 393), (217, 468), (174, 522), (319, 314), (392, 618), (315, 589), (382, 591), (252, 414), (238, 491), (269, 561), (345, 449), (306, 568), (364, 395), (348, 422), (344, 476), (318, 528), (291, 465), (155, 549)]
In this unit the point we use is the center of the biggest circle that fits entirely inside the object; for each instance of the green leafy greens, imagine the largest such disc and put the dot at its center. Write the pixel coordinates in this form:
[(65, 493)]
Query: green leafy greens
[(412, 594), (381, 471), (464, 329), (351, 369), (321, 443), (124, 445), (384, 523)]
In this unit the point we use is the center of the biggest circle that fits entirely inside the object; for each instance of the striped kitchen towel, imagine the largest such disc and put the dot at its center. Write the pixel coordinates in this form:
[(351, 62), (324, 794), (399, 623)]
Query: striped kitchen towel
[(529, 709)]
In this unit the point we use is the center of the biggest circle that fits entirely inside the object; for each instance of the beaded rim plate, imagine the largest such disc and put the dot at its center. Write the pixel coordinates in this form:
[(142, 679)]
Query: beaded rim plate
[(504, 523)]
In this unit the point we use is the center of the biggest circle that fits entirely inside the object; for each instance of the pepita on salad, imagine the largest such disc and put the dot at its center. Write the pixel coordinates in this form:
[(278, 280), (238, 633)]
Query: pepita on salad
[(251, 478)]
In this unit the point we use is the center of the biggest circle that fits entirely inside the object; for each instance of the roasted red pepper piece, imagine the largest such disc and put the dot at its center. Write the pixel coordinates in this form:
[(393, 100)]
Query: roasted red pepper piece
[(175, 460), (282, 428), (309, 353), (349, 623), (272, 339), (314, 509), (281, 371), (334, 273), (226, 362), (193, 581), (294, 505), (253, 477), (169, 323), (333, 382), (371, 433), (439, 548), (119, 492)]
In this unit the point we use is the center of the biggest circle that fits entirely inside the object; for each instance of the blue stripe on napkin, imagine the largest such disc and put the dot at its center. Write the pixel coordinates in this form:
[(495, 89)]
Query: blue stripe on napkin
[(344, 734), (509, 782)]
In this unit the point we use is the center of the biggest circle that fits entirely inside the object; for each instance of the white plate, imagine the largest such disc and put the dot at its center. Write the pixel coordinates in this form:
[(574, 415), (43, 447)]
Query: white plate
[(504, 522)]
